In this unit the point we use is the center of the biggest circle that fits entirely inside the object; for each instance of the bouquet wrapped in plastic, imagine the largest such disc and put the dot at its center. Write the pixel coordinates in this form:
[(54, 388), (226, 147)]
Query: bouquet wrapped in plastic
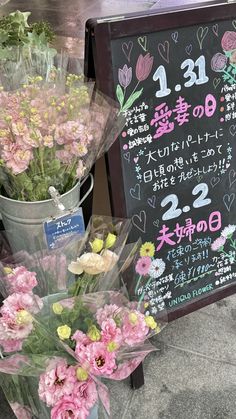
[(51, 132), (64, 344)]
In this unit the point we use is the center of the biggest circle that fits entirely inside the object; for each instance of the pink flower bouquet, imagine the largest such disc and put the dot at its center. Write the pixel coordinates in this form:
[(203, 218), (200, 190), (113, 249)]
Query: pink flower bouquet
[(51, 133), (57, 347)]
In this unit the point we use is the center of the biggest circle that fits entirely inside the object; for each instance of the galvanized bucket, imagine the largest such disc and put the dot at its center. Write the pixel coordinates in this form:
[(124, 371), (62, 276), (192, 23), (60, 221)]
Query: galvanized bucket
[(23, 221)]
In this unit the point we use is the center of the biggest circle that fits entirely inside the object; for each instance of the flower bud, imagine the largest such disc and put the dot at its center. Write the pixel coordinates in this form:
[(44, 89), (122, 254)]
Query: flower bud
[(110, 240), (57, 308), (112, 346), (150, 322), (97, 245), (81, 374), (94, 334), (23, 317), (64, 332), (133, 318)]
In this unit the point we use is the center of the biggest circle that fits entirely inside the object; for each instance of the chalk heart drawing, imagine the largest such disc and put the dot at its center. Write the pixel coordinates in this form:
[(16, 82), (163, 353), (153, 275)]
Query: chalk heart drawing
[(175, 36), (216, 82), (127, 49), (189, 49), (232, 130), (152, 201), (135, 192), (139, 221), (214, 181), (156, 223), (232, 177), (228, 200), (201, 35), (127, 156), (164, 51), (215, 29), (142, 40), (136, 159), (234, 24)]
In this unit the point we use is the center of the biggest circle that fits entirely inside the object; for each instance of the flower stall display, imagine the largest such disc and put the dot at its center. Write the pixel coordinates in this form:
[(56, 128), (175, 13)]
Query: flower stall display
[(51, 133), (57, 347)]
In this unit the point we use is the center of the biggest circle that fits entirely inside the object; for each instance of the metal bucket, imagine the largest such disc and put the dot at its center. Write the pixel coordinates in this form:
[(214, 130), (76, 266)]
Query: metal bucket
[(23, 221)]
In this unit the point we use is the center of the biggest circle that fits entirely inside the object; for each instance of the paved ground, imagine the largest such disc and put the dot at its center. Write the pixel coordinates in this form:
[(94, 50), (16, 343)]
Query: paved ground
[(193, 374)]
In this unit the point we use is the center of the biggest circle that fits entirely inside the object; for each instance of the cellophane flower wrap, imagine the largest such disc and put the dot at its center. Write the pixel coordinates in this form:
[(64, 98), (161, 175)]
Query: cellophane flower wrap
[(99, 255), (53, 127), (57, 348)]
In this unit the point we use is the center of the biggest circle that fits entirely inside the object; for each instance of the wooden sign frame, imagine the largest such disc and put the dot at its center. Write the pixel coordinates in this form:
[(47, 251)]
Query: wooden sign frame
[(98, 65)]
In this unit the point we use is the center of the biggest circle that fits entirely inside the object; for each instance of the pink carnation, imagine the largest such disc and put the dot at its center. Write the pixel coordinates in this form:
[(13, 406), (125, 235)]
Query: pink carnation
[(22, 280), (69, 407), (21, 412), (218, 243), (58, 381), (86, 392), (110, 332), (143, 264), (134, 328), (100, 361), (107, 312)]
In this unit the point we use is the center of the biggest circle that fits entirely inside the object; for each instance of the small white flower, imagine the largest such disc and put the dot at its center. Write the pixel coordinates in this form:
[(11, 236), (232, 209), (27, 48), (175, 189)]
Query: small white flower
[(228, 231), (157, 268)]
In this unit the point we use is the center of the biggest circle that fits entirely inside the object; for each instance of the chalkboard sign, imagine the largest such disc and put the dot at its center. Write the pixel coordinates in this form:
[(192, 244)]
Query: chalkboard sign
[(173, 169)]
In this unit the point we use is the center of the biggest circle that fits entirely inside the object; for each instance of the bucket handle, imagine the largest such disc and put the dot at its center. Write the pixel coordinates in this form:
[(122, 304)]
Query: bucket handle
[(90, 188)]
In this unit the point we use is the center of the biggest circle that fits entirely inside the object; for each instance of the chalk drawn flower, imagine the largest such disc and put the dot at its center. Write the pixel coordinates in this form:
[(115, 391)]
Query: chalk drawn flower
[(218, 243), (228, 231), (144, 66), (157, 268), (125, 76), (218, 62), (143, 265), (228, 41), (147, 249)]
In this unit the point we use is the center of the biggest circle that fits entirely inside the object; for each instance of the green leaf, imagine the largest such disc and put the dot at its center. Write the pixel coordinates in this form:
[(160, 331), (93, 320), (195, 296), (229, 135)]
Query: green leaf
[(132, 99), (120, 95)]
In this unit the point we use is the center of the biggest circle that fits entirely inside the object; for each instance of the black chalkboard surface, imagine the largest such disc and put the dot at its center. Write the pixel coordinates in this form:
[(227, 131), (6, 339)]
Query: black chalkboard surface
[(173, 169)]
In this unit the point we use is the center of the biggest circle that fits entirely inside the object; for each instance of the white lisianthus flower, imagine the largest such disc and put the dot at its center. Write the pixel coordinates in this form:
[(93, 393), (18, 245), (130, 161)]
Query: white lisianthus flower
[(93, 263), (228, 231), (157, 268)]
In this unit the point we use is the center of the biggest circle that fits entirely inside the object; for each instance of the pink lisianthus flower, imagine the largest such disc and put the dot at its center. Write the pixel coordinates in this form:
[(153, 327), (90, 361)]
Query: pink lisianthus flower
[(11, 345), (100, 361), (110, 332), (58, 381), (21, 412), (86, 392), (21, 280), (20, 301), (69, 407), (81, 339), (134, 328), (109, 311)]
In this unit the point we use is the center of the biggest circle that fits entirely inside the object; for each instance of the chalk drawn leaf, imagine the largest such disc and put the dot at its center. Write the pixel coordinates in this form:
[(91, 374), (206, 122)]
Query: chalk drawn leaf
[(232, 177), (132, 99), (234, 24), (139, 221), (135, 192), (120, 95), (228, 200)]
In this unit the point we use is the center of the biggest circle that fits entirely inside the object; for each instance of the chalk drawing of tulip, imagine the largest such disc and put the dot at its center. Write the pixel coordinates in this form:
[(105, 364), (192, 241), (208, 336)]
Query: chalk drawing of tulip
[(125, 76), (219, 64), (144, 66), (143, 69)]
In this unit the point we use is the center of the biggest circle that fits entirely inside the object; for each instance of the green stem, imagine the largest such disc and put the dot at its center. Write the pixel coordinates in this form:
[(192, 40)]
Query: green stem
[(137, 285), (129, 96)]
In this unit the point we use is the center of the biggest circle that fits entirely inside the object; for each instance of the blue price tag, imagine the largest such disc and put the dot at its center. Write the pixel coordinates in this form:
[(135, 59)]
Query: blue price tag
[(59, 229)]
